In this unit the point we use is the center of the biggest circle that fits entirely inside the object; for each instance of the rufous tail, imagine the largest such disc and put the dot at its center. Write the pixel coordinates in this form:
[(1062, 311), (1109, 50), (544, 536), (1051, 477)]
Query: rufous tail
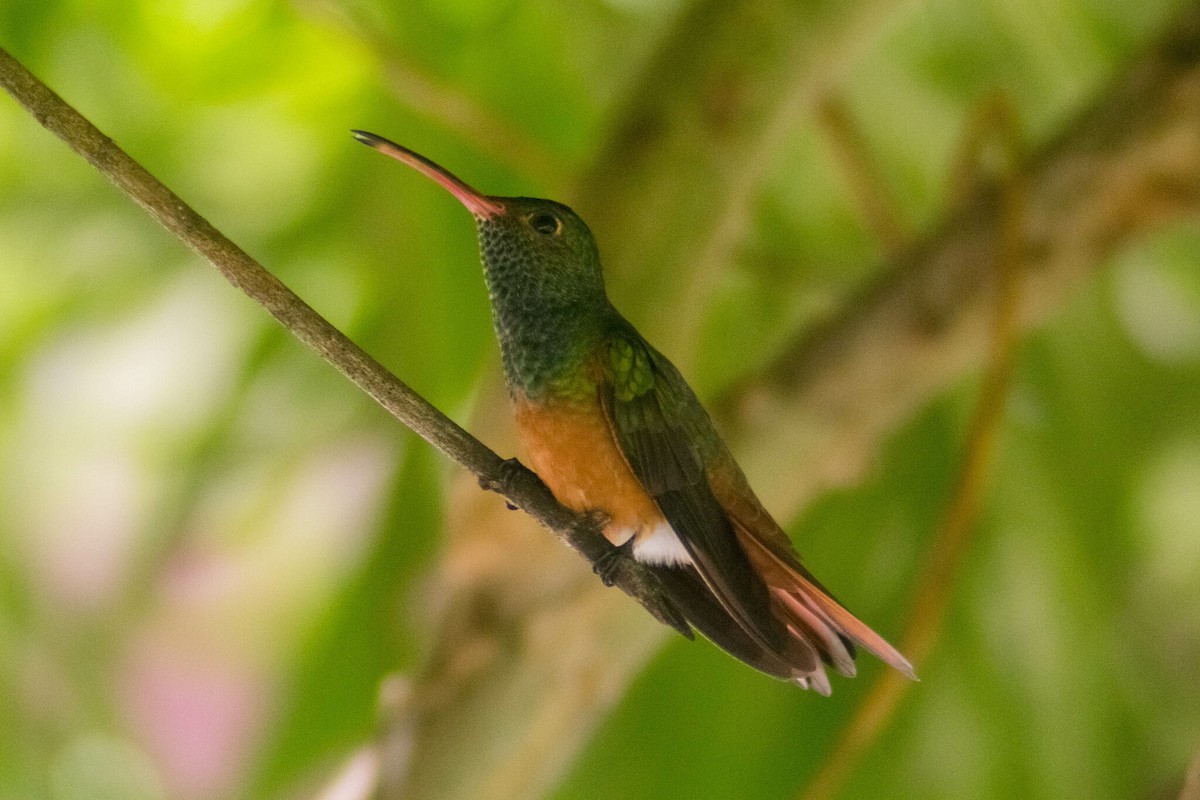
[(817, 622)]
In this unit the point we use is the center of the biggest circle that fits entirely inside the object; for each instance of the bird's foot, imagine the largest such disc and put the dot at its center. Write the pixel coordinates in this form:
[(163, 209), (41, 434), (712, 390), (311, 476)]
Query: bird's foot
[(506, 475), (606, 566)]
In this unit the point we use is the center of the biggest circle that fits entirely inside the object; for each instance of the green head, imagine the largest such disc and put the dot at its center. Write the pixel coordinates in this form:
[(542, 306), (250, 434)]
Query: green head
[(543, 273)]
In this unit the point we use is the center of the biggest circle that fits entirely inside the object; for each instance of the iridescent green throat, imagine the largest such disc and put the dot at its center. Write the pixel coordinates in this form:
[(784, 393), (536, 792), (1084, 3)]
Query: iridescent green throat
[(549, 310), (546, 357)]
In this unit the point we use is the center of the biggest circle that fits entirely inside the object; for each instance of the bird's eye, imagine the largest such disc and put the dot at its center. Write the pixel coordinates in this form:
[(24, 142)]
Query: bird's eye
[(545, 224)]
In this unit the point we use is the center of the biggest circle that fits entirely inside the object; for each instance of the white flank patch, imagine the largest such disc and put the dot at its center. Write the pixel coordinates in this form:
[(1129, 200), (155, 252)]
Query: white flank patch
[(661, 547)]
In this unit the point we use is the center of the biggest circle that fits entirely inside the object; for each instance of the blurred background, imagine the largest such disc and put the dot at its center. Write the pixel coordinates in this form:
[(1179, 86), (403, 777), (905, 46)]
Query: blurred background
[(225, 573)]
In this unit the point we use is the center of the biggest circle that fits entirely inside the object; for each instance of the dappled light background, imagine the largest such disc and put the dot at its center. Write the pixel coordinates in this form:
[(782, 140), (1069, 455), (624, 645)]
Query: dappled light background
[(217, 556)]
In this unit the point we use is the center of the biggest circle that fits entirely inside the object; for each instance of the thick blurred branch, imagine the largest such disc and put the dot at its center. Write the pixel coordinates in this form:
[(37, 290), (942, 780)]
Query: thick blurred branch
[(519, 485), (1126, 164)]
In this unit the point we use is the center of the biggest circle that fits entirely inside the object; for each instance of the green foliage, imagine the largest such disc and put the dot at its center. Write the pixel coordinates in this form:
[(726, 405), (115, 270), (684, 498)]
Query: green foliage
[(200, 520)]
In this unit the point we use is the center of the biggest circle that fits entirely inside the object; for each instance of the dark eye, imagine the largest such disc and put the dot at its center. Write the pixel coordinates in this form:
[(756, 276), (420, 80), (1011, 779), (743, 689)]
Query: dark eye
[(545, 223)]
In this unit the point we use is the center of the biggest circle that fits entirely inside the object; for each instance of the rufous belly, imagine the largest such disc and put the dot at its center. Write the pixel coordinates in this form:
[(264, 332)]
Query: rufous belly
[(572, 449)]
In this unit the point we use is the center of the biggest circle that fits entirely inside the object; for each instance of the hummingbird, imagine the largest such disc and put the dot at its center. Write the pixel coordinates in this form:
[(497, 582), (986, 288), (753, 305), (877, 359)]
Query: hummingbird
[(611, 427)]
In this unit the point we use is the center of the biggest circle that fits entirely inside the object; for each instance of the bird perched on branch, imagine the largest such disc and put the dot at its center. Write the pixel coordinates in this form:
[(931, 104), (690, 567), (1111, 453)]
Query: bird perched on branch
[(612, 427)]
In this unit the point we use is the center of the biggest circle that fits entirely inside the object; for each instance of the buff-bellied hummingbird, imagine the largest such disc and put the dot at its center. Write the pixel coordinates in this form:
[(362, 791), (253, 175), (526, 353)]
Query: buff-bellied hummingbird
[(612, 427)]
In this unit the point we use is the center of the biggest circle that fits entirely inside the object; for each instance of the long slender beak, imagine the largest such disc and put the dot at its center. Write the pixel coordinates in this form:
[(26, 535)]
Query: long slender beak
[(476, 202)]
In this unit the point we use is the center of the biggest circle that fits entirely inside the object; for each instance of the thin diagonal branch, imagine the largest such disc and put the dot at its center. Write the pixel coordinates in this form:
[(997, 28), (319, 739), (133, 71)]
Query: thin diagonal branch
[(521, 487), (863, 174)]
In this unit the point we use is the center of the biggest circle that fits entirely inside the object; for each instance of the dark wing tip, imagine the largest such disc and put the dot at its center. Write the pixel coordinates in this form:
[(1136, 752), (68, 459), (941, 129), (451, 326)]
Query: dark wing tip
[(702, 609)]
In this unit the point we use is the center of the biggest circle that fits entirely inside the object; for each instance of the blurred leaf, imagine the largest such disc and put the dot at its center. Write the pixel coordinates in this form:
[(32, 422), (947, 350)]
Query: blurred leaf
[(365, 633)]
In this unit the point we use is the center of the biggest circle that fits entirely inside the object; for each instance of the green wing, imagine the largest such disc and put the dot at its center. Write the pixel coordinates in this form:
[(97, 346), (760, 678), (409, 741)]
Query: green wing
[(661, 428)]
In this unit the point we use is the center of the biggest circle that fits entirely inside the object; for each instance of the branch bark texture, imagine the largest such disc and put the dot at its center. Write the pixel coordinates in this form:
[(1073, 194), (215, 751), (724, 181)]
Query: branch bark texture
[(520, 486)]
